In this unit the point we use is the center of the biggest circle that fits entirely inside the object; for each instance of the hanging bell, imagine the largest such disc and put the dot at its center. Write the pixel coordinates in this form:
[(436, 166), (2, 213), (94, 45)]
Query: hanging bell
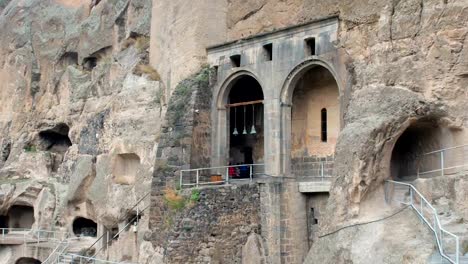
[(253, 131), (245, 130), (235, 133)]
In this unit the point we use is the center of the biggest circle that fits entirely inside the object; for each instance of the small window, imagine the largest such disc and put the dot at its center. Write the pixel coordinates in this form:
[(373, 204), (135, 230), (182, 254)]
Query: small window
[(268, 52), (324, 124), (314, 221), (235, 60), (310, 46)]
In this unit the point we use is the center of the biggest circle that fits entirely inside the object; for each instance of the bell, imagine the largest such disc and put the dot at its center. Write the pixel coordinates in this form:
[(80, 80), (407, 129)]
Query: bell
[(253, 131), (245, 130)]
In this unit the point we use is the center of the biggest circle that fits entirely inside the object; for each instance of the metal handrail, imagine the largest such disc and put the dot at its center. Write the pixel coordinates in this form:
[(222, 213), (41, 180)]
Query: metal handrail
[(104, 234), (118, 233), (436, 227), (92, 259), (57, 252), (442, 161), (226, 177), (444, 149)]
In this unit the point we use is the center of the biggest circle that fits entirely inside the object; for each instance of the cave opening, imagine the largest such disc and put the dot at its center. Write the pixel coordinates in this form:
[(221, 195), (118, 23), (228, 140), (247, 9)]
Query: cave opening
[(28, 261), (83, 227), (20, 216), (409, 154), (55, 140), (246, 122)]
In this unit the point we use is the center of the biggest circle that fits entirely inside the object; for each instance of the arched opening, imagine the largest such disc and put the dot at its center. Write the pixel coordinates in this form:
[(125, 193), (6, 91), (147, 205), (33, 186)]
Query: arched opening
[(246, 133), (411, 153), (20, 216), (83, 227), (315, 123), (28, 261)]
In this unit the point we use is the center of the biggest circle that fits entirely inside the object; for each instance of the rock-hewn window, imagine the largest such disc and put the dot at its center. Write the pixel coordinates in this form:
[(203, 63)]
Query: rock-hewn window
[(324, 125)]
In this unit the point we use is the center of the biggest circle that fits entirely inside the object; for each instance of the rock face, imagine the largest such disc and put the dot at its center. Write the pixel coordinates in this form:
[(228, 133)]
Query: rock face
[(76, 94), (103, 102)]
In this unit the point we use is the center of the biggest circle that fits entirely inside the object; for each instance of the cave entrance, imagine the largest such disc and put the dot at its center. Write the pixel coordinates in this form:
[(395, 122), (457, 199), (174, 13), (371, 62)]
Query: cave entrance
[(407, 155), (315, 123), (28, 261), (83, 227), (55, 140), (246, 135), (20, 216)]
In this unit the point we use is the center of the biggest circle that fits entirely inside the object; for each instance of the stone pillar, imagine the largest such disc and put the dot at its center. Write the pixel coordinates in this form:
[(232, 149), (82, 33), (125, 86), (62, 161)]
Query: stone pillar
[(286, 139), (294, 232), (271, 220), (272, 137), (220, 134), (180, 32)]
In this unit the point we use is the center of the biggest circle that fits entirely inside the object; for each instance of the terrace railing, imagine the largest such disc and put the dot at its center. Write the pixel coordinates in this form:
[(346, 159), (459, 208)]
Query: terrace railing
[(443, 162), (447, 243), (219, 175)]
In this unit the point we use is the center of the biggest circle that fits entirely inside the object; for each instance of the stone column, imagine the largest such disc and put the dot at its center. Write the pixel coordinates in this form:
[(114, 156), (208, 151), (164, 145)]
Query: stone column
[(272, 137), (270, 202)]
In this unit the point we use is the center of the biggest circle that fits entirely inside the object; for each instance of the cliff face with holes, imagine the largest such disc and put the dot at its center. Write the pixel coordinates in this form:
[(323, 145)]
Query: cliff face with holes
[(408, 63), (80, 115)]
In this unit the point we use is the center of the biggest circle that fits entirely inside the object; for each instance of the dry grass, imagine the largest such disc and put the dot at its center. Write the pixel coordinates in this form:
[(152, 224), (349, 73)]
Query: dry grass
[(173, 199), (142, 43), (145, 69), (127, 43)]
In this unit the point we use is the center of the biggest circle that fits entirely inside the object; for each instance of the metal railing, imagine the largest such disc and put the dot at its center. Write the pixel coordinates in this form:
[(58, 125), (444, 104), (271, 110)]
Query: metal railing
[(313, 168), (443, 161), (219, 175), (75, 259), (58, 251), (445, 240), (116, 236), (31, 235)]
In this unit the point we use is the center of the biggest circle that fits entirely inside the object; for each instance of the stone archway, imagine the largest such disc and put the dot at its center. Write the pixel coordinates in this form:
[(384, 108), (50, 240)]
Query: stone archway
[(311, 118), (239, 104)]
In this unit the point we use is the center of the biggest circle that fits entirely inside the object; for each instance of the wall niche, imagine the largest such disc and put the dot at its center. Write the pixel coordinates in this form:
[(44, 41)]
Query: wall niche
[(125, 168)]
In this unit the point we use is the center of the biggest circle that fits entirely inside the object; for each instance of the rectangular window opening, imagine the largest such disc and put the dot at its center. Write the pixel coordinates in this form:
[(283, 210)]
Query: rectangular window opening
[(268, 51), (235, 60), (310, 46), (324, 125)]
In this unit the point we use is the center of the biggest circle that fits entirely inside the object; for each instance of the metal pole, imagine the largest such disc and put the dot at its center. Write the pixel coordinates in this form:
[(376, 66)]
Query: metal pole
[(321, 170), (457, 253), (227, 175), (442, 162), (198, 178), (251, 178), (180, 179)]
